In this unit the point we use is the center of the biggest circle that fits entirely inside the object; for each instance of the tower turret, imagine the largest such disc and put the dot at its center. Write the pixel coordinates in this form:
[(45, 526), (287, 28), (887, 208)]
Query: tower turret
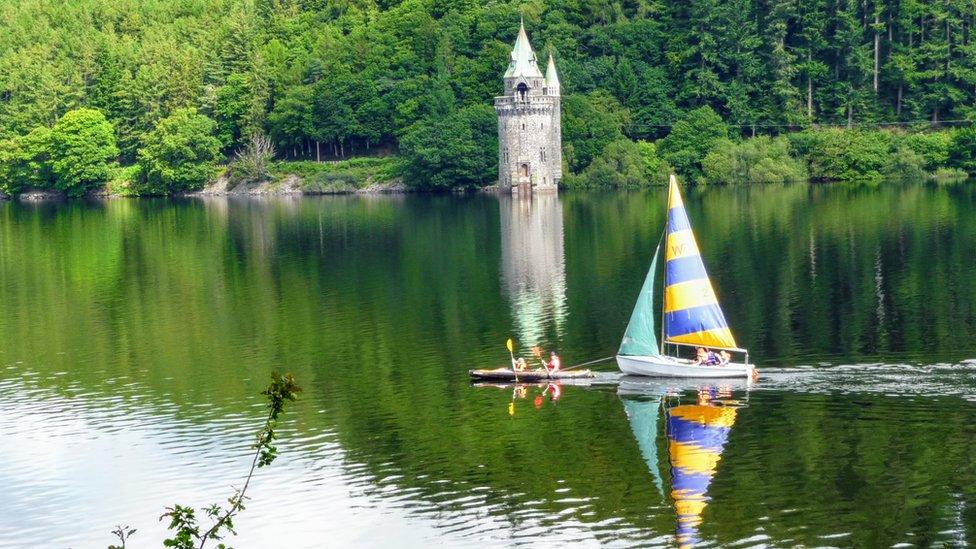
[(529, 129), (552, 79)]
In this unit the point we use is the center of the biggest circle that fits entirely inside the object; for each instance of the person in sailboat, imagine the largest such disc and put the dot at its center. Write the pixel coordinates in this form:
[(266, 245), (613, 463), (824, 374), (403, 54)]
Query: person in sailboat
[(704, 357), (700, 356)]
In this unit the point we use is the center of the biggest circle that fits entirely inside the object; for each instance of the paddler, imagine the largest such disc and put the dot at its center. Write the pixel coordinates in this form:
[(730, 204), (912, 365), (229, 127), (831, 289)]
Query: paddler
[(520, 365), (554, 363)]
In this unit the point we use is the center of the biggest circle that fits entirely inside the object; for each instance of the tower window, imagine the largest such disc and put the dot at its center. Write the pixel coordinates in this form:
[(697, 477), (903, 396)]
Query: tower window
[(523, 90), (523, 125)]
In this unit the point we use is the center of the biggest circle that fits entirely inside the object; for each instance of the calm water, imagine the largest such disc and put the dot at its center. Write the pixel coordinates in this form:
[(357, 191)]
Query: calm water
[(137, 334)]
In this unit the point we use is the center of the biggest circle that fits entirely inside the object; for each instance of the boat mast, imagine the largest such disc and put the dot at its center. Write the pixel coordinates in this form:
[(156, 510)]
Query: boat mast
[(664, 275)]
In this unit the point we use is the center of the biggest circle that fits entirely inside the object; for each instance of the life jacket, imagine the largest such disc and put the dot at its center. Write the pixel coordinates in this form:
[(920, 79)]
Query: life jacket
[(554, 365)]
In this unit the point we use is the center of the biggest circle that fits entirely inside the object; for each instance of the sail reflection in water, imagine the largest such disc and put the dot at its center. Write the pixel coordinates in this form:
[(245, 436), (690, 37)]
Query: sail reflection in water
[(696, 436), (533, 264)]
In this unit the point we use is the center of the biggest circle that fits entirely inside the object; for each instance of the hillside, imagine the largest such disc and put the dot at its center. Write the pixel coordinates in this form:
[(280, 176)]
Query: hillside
[(334, 78)]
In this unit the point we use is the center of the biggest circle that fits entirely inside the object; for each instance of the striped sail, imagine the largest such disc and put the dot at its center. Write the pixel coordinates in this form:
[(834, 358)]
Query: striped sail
[(696, 438), (691, 311)]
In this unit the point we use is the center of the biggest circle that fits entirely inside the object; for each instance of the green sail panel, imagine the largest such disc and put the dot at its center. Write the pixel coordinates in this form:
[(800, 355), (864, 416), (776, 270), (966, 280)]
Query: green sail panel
[(639, 338)]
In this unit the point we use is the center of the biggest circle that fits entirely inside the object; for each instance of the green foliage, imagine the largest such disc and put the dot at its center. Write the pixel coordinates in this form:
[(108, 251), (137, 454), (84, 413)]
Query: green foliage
[(962, 150), (589, 124), (123, 533), (343, 176), (183, 520), (932, 146), (125, 181), (623, 164), (759, 160), (281, 391), (691, 139), (949, 175), (337, 79), (24, 162), (844, 155), (459, 150), (180, 154), (81, 150), (231, 110), (907, 164), (253, 162)]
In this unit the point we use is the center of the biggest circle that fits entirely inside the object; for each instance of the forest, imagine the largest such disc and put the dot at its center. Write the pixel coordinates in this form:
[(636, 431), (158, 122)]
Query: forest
[(155, 96)]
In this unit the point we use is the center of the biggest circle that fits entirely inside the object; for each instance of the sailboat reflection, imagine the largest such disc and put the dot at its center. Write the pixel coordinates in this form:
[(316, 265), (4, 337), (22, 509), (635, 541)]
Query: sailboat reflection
[(533, 264), (696, 437)]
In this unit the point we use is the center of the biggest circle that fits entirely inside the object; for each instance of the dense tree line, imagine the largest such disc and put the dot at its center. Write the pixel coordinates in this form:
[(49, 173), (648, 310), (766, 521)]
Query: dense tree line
[(333, 78)]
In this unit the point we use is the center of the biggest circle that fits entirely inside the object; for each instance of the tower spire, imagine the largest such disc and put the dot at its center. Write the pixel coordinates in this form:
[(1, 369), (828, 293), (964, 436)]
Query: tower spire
[(523, 62), (552, 79)]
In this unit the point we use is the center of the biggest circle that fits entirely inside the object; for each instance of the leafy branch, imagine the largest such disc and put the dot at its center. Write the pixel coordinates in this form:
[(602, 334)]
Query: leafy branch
[(183, 520)]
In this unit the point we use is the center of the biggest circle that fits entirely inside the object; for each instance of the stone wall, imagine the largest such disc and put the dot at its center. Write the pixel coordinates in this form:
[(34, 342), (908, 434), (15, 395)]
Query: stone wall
[(529, 141)]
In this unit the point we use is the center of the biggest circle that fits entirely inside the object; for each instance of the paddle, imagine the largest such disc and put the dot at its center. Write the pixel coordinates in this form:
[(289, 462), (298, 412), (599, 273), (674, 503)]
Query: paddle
[(537, 351), (511, 353)]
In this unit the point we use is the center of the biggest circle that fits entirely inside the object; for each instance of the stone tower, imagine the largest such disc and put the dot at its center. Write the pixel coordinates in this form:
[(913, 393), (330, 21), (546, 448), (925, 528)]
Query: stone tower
[(530, 154)]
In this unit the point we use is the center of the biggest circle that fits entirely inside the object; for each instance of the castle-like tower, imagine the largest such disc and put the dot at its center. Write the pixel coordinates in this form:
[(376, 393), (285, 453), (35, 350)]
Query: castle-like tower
[(530, 154)]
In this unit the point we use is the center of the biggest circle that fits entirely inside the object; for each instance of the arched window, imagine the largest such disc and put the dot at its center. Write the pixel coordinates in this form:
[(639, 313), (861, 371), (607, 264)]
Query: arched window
[(525, 170), (523, 91)]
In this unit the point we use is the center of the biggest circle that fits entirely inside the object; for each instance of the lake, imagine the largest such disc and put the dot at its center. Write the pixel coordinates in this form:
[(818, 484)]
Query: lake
[(137, 335)]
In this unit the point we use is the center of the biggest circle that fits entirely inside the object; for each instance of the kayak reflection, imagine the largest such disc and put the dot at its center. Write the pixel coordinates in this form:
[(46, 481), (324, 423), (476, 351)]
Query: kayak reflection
[(696, 437), (540, 392)]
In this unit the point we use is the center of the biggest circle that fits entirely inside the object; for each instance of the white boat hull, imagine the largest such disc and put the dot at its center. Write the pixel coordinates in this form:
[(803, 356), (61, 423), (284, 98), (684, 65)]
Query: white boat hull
[(665, 366)]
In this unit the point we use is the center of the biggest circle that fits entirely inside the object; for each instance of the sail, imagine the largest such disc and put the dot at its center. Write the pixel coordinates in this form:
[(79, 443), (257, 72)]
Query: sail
[(696, 438), (639, 338), (692, 314)]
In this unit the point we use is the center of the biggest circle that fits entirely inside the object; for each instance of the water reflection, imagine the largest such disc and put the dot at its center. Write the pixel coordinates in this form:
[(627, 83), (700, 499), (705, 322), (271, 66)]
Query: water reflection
[(533, 264), (538, 394), (137, 335), (696, 438)]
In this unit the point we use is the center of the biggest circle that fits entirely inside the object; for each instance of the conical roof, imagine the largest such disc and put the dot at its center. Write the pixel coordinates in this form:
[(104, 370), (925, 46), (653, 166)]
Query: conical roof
[(552, 79), (523, 61)]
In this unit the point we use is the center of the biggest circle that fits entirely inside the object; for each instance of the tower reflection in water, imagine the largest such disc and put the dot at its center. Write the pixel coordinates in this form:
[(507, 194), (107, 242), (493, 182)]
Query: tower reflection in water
[(696, 434), (533, 264)]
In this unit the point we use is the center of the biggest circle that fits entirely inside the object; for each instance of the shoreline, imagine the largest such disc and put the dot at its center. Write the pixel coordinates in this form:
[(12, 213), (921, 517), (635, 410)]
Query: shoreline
[(263, 189)]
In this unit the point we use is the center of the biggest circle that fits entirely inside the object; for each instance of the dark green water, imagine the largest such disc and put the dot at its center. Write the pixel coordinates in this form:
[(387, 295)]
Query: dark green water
[(137, 334)]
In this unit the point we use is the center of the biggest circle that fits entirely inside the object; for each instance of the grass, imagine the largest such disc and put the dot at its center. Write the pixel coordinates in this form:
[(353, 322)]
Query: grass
[(949, 175), (345, 175)]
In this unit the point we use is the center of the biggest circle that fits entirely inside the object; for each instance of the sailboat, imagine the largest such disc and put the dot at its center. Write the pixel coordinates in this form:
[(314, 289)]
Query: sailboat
[(691, 316)]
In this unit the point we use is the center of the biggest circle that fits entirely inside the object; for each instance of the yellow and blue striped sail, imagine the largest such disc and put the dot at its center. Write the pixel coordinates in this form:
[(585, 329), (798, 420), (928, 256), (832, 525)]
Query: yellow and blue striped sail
[(692, 314), (696, 438)]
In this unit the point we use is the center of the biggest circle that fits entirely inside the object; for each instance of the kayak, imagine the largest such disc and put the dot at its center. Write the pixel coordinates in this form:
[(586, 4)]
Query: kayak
[(528, 375)]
